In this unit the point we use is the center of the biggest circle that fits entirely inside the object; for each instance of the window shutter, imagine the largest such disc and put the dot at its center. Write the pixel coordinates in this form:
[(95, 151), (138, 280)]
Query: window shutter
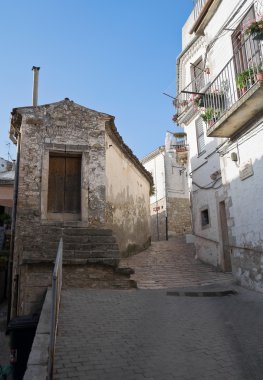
[(200, 135), (72, 185), (56, 184)]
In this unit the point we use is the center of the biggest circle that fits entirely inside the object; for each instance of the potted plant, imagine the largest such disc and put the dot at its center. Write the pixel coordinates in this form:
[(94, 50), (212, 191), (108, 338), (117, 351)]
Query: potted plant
[(210, 115), (255, 29), (198, 101), (175, 117), (244, 79)]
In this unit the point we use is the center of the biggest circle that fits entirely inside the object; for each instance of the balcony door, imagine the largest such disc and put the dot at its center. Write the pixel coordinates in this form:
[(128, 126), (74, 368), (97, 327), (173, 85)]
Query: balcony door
[(246, 50), (197, 75)]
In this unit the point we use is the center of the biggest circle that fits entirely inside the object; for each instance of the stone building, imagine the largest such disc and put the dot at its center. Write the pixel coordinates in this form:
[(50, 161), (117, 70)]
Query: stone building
[(219, 102), (76, 179), (169, 205)]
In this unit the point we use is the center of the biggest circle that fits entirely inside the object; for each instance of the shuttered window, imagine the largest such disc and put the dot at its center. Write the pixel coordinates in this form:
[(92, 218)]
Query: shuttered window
[(197, 75), (64, 184), (200, 137)]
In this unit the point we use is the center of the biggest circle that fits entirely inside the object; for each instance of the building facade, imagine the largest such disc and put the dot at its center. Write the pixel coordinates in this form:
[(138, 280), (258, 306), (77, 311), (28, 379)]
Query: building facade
[(219, 102), (77, 180), (169, 205)]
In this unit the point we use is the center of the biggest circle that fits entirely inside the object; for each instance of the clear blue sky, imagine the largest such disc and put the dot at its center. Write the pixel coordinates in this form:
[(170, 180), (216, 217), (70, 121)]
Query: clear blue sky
[(114, 56)]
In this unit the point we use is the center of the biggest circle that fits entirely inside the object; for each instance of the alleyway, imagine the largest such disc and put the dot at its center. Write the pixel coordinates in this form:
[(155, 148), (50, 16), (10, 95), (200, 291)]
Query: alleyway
[(144, 334), (172, 263)]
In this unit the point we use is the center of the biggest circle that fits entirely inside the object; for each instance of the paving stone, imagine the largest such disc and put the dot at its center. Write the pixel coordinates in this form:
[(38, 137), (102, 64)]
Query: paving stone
[(143, 334)]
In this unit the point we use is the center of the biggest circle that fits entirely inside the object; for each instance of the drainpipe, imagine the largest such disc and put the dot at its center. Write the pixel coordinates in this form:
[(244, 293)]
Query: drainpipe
[(12, 242), (35, 70)]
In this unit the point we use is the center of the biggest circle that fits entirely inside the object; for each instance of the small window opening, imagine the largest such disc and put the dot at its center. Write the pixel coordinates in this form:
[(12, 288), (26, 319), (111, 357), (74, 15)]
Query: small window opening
[(205, 218)]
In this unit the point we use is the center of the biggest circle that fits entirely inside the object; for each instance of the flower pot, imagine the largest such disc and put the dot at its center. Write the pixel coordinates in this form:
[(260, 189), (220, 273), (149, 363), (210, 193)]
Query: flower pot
[(259, 76), (243, 90)]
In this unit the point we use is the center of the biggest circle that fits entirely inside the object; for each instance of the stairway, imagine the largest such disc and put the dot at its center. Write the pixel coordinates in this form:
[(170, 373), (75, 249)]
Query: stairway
[(81, 245)]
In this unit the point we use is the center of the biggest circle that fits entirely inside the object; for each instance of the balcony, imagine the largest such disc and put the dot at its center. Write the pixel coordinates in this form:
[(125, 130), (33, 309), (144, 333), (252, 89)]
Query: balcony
[(203, 12), (189, 100), (181, 147), (235, 97)]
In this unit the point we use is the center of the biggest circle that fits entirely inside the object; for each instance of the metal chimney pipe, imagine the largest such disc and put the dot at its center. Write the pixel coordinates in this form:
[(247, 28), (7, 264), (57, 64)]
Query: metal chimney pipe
[(35, 85)]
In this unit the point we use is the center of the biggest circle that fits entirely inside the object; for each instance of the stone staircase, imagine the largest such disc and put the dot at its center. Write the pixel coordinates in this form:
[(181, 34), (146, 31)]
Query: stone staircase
[(81, 245), (90, 257)]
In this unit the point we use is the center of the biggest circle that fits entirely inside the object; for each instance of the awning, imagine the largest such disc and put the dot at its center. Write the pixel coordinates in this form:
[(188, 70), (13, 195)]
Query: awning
[(6, 202)]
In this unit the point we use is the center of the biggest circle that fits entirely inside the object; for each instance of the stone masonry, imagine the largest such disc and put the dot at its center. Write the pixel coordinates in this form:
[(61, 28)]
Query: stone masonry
[(64, 131), (179, 216)]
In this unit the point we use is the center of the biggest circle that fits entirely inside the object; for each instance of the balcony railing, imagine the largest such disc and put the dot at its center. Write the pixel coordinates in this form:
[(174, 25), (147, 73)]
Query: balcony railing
[(240, 74), (188, 99)]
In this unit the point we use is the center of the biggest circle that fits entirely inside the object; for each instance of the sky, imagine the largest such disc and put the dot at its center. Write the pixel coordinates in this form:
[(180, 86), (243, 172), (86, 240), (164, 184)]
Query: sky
[(113, 56)]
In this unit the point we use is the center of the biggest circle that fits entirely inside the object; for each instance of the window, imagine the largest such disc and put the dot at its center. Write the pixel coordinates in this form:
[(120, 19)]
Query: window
[(200, 138), (64, 183), (197, 74), (205, 218)]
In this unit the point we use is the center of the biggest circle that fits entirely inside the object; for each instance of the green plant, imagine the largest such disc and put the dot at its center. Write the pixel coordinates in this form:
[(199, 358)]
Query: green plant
[(243, 78), (180, 134), (198, 101), (255, 27), (152, 190), (208, 114)]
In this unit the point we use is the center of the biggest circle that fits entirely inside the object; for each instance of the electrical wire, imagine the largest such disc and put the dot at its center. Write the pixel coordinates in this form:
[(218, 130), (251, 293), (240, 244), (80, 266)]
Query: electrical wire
[(206, 187)]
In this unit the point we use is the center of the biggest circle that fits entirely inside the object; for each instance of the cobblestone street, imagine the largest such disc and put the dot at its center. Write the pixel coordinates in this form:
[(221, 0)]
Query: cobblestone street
[(146, 334), (172, 263)]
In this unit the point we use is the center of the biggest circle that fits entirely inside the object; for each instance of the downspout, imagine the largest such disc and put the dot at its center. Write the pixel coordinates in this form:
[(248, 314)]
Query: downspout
[(12, 242)]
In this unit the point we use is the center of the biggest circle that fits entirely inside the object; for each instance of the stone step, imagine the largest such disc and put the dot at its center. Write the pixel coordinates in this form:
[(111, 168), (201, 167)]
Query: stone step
[(97, 254), (82, 247), (86, 231), (74, 231), (88, 239)]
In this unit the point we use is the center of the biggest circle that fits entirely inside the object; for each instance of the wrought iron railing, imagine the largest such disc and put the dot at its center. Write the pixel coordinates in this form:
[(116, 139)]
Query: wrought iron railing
[(199, 4), (189, 97), (214, 98), (56, 294), (240, 73)]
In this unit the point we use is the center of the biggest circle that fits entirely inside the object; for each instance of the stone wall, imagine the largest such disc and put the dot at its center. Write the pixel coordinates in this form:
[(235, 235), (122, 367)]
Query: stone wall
[(247, 266), (35, 278), (179, 216), (67, 129)]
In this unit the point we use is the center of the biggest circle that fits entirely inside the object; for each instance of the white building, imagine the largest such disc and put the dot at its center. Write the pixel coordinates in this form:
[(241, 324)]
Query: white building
[(220, 104), (169, 205)]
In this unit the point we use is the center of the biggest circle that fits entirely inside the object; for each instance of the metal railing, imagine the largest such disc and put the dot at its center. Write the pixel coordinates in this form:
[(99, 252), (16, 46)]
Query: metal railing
[(56, 294), (189, 97), (235, 79), (214, 98), (199, 4)]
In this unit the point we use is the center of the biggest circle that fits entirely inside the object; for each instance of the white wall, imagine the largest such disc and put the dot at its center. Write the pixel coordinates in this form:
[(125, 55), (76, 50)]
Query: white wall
[(156, 167), (244, 199), (246, 212), (3, 165)]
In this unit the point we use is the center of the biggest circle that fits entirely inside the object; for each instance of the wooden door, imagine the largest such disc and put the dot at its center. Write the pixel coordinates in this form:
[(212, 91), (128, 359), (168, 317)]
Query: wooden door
[(64, 184)]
